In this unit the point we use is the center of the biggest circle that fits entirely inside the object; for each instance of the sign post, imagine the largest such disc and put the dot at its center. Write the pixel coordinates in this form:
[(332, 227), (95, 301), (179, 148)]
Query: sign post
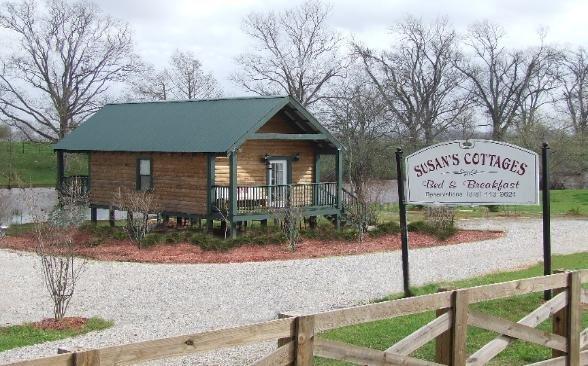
[(403, 225), (546, 213)]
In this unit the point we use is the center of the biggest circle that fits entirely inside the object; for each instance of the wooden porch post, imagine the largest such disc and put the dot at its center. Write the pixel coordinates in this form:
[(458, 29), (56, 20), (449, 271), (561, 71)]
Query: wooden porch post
[(315, 191), (211, 170), (60, 170), (233, 192), (339, 172), (317, 177)]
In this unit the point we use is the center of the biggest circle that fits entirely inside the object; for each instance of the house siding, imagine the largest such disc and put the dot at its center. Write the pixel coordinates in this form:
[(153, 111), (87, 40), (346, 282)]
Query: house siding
[(251, 168), (179, 180)]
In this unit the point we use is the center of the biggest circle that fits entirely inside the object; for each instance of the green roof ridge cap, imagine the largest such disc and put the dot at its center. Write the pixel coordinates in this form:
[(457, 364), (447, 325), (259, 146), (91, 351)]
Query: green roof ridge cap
[(201, 100)]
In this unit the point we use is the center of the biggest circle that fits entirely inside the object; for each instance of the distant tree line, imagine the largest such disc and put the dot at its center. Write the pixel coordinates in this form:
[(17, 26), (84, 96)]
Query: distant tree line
[(432, 83)]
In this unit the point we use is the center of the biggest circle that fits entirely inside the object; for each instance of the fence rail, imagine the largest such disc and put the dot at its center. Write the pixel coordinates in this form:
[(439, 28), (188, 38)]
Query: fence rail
[(298, 343)]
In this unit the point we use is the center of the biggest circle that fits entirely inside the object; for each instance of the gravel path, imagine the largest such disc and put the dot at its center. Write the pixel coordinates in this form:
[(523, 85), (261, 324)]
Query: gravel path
[(148, 301)]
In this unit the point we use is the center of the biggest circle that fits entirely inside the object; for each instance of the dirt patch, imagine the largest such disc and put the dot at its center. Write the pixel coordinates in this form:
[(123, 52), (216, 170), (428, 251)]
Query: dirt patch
[(67, 323), (124, 250)]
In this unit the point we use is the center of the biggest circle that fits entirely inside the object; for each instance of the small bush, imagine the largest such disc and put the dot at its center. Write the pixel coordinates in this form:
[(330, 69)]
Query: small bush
[(262, 236), (493, 208), (210, 242), (441, 233), (197, 238), (323, 231), (217, 244), (119, 235), (390, 227), (151, 239), (173, 237), (328, 232), (348, 234)]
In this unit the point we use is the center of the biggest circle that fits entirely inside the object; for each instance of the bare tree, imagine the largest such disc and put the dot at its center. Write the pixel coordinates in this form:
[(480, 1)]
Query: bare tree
[(357, 115), (575, 89), (540, 91), (500, 79), (150, 84), (417, 79), (290, 217), (296, 53), (55, 245), (67, 57), (138, 206), (188, 78), (184, 78)]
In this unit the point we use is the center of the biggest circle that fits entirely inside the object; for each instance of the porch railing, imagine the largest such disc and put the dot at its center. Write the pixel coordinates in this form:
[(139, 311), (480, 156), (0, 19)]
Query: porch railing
[(265, 197)]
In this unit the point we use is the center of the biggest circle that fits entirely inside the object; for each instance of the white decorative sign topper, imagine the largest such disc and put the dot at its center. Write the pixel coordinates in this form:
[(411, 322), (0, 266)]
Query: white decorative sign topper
[(473, 172)]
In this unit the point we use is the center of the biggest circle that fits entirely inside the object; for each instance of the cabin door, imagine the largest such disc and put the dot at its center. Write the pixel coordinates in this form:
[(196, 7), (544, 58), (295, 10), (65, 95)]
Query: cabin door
[(278, 180)]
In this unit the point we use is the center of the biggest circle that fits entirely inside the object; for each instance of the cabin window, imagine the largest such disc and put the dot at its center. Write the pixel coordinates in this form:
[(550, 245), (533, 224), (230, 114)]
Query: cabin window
[(144, 177)]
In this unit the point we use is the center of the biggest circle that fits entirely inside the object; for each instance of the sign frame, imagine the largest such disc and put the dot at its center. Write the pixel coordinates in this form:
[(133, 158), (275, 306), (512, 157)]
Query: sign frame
[(465, 145)]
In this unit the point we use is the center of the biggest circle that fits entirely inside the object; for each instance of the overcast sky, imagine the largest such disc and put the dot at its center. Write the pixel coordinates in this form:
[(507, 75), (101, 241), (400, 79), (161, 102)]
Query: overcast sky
[(212, 29)]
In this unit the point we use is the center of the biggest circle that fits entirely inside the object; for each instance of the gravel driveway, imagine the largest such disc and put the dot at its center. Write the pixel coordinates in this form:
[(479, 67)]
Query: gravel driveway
[(148, 301)]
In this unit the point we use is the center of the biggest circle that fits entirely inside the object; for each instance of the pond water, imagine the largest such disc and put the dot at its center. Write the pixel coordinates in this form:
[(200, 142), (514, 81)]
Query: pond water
[(21, 206)]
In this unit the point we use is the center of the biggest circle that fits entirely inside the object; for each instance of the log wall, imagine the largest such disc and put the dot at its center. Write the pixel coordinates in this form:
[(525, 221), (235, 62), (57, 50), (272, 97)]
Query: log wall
[(179, 180), (251, 168)]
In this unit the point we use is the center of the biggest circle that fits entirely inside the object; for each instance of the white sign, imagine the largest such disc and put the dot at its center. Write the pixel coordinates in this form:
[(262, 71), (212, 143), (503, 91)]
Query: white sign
[(473, 172)]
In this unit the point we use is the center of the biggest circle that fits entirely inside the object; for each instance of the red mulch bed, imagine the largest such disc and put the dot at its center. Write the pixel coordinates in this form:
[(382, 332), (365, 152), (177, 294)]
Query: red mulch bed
[(69, 323), (124, 250)]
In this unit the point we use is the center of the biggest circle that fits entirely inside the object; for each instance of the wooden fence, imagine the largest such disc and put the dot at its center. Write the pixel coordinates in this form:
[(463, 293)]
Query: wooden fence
[(297, 344)]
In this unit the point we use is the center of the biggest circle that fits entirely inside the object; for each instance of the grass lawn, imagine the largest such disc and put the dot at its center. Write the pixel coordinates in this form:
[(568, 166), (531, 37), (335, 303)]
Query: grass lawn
[(33, 164), (382, 334), (26, 335), (569, 202)]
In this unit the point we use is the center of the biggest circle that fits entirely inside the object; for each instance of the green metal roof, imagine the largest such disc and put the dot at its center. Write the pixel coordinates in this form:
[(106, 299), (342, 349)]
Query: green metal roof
[(215, 125)]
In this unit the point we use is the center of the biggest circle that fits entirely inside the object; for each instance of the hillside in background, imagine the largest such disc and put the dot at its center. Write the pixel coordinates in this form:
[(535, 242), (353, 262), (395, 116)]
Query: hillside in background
[(33, 164)]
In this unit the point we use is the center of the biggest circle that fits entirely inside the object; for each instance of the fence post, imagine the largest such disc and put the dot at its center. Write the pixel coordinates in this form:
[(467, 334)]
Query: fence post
[(459, 329), (86, 358), (82, 356), (304, 340), (574, 318), (443, 341), (559, 320)]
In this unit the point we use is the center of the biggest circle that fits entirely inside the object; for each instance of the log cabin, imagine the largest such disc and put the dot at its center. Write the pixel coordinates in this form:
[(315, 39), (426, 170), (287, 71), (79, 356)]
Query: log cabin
[(231, 159)]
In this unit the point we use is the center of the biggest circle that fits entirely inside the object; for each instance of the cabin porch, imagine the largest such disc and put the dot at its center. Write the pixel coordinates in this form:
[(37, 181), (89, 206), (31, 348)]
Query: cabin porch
[(240, 201)]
